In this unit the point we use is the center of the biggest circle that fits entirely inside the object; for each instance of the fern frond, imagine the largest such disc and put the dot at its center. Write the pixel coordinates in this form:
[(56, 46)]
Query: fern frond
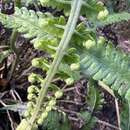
[(24, 21), (104, 62), (124, 116), (4, 54), (32, 24), (59, 4), (115, 18), (90, 8), (56, 121), (95, 98), (36, 26)]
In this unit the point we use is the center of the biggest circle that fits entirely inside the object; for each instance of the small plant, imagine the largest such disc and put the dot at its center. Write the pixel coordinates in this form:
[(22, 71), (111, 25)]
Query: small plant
[(75, 51)]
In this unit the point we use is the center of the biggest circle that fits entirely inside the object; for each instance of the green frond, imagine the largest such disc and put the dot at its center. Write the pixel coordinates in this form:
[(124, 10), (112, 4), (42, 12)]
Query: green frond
[(104, 62), (32, 24), (90, 8), (56, 121), (89, 120), (24, 21), (36, 26), (4, 54), (94, 97), (59, 4), (124, 116), (115, 18)]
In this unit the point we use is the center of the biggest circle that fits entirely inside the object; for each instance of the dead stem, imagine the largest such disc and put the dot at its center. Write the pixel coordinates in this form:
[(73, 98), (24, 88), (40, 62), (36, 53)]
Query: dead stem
[(9, 116), (110, 91), (107, 124)]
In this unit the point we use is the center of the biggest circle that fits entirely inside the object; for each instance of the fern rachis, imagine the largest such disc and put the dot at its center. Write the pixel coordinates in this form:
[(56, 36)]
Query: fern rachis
[(70, 27)]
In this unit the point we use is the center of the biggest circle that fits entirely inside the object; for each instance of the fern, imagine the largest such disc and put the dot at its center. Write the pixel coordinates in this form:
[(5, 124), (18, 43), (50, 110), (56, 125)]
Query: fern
[(59, 4), (94, 97), (125, 117), (95, 101), (90, 8), (4, 54), (100, 62), (69, 30), (30, 23), (104, 62), (56, 121), (24, 21), (89, 120), (38, 27), (115, 18)]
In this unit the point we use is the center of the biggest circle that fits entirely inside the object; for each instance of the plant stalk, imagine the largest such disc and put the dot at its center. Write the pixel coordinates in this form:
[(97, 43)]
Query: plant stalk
[(13, 44), (13, 41), (14, 49), (69, 30)]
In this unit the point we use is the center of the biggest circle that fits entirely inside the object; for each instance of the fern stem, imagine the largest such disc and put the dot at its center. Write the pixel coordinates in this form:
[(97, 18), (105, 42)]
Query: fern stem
[(69, 30), (13, 44), (13, 41), (117, 113)]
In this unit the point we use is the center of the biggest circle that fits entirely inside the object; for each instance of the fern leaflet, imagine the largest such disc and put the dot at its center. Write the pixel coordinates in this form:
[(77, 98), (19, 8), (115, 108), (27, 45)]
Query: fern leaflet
[(32, 24), (104, 62), (115, 18)]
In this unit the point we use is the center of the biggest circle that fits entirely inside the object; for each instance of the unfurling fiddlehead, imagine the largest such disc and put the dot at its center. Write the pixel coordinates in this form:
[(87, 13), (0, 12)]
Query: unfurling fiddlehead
[(70, 27)]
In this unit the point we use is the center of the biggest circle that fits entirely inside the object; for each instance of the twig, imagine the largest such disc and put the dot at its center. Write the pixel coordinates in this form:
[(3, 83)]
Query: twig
[(16, 93), (64, 87), (107, 124), (25, 72), (110, 91), (56, 79), (9, 116), (4, 47), (67, 111), (72, 102), (107, 88), (73, 118), (13, 95), (117, 113), (68, 89), (80, 94)]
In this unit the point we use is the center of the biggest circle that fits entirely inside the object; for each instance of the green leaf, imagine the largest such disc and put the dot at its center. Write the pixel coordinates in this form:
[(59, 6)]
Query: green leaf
[(124, 116), (4, 54), (94, 97), (115, 18), (90, 8), (89, 120), (32, 24), (65, 72), (56, 121), (104, 62)]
